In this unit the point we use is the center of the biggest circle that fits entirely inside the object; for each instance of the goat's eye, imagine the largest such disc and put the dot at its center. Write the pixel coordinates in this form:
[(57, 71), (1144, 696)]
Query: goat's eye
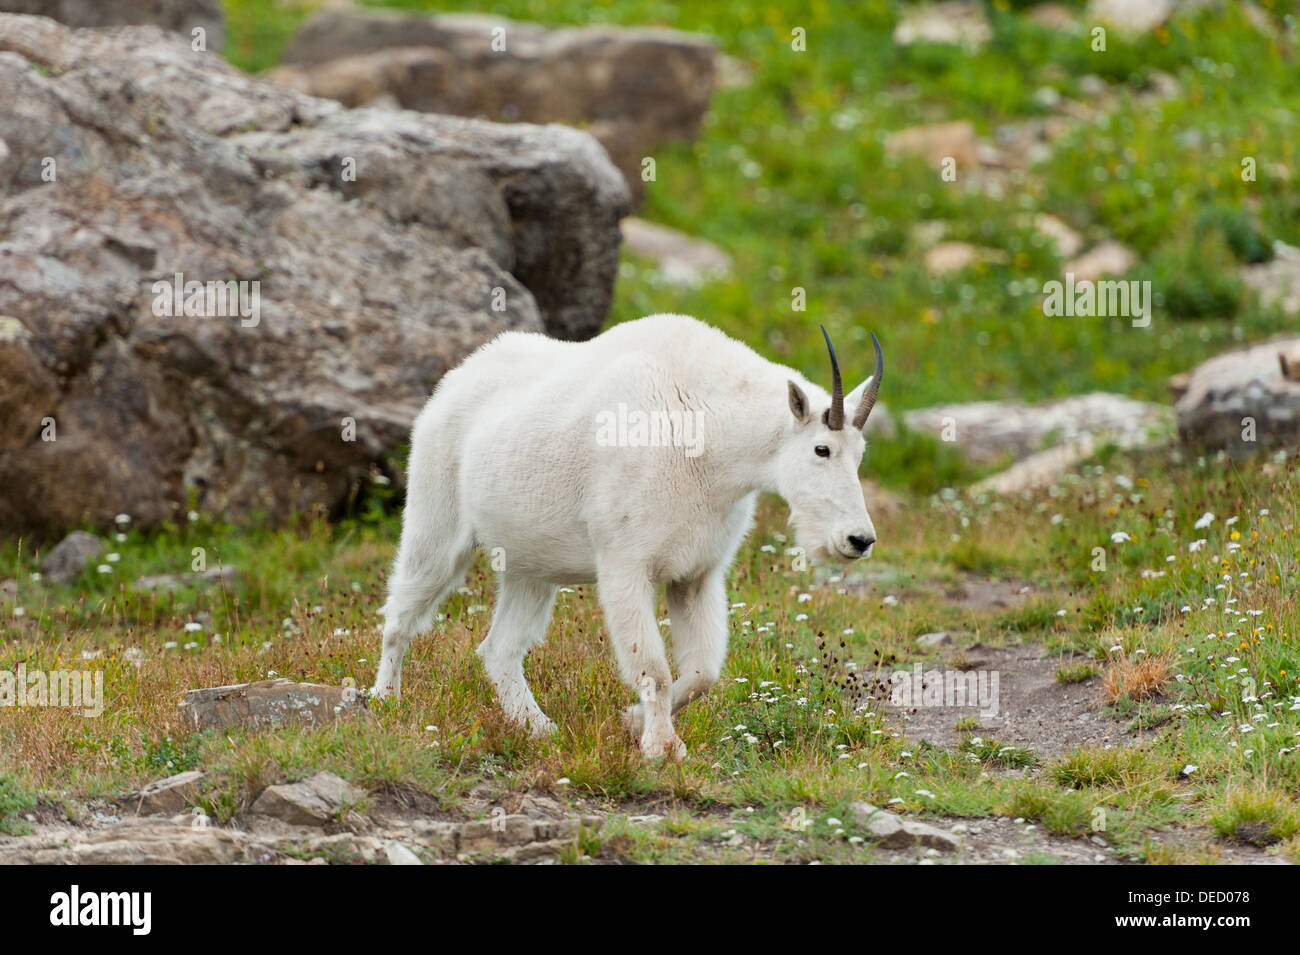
[(822, 451)]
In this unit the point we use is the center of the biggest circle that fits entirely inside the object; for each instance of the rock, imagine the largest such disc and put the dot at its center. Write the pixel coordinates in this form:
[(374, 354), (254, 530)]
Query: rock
[(315, 801), (70, 556), (929, 641), (928, 232), (988, 431), (269, 703), (1037, 471), (285, 826), (634, 89), (398, 854), (442, 232), (1131, 17), (1245, 384), (1108, 258), (1054, 16), (520, 837), (170, 795), (680, 259), (1068, 242), (955, 256), (891, 832), (937, 142), (141, 841), (181, 16), (1277, 282), (959, 22), (170, 582), (931, 836)]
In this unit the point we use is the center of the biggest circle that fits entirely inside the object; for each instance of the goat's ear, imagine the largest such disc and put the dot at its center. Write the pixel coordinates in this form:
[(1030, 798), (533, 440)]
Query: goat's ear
[(799, 404)]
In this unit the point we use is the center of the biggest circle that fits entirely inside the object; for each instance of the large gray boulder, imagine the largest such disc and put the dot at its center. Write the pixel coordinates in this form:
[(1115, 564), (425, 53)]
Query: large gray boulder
[(1242, 400), (179, 15), (387, 245), (634, 89)]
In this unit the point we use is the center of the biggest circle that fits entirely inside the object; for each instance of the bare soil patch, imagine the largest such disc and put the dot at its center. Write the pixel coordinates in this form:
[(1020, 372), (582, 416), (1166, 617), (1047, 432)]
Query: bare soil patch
[(1034, 709)]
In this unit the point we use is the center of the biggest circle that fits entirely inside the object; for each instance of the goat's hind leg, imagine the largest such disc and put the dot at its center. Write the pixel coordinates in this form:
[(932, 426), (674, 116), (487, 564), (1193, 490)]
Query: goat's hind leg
[(519, 624), (423, 574)]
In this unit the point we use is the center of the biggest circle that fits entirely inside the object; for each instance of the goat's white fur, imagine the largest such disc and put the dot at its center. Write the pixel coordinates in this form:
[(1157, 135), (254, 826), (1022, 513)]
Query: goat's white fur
[(505, 455)]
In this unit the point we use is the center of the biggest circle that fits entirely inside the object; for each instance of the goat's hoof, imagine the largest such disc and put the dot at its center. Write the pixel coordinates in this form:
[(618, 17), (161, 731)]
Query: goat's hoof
[(384, 692), (659, 746)]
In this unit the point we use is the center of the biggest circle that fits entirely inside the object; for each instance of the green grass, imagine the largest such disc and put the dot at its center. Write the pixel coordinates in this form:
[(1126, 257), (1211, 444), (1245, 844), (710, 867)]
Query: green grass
[(793, 729)]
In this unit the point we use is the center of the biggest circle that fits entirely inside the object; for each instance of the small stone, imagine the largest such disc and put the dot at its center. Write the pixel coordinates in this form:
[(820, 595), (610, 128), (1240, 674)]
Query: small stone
[(681, 259), (956, 22), (1108, 258), (931, 836), (70, 557), (314, 801), (1130, 17), (398, 854), (931, 640), (169, 795), (955, 256), (937, 142), (269, 703)]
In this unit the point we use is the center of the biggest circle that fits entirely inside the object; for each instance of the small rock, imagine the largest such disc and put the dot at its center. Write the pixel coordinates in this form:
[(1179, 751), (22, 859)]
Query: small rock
[(398, 854), (681, 259), (1277, 282), (269, 703), (1068, 242), (957, 22), (314, 801), (929, 232), (1108, 258), (70, 557), (170, 582), (1039, 470), (932, 640), (891, 832), (170, 795), (954, 256), (1054, 16), (931, 836), (1131, 17), (936, 143)]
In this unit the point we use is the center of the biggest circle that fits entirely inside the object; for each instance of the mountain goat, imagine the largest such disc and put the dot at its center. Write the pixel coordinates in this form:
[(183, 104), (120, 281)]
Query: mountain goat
[(545, 449)]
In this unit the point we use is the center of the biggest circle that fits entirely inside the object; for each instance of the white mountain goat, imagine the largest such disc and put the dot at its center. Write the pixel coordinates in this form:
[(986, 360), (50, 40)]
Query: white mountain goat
[(630, 461)]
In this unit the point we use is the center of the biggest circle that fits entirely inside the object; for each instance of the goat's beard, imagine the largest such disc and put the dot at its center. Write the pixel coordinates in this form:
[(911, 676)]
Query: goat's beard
[(815, 545)]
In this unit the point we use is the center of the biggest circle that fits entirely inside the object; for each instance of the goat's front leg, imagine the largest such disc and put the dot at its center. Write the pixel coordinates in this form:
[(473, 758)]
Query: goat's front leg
[(627, 597), (698, 610)]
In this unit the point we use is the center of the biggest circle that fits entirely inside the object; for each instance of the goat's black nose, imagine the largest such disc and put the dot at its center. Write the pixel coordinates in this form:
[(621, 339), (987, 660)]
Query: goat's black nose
[(861, 543)]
